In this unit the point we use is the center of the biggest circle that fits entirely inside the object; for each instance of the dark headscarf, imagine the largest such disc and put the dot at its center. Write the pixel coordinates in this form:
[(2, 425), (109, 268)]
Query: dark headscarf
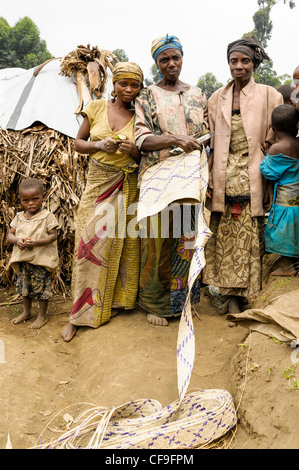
[(250, 48)]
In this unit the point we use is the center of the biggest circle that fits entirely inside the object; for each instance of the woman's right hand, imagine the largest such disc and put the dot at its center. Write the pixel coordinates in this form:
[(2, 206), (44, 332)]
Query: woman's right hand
[(108, 145), (187, 143)]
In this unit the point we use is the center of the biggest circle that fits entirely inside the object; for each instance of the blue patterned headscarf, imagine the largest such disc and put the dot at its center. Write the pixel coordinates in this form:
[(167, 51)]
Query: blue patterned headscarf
[(163, 43)]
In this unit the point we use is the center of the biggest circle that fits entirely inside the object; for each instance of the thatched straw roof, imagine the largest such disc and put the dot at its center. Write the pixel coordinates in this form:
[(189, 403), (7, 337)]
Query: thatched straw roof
[(48, 154)]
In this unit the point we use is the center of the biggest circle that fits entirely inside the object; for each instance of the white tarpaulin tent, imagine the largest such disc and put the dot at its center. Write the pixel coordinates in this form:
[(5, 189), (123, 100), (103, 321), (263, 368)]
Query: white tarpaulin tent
[(46, 97)]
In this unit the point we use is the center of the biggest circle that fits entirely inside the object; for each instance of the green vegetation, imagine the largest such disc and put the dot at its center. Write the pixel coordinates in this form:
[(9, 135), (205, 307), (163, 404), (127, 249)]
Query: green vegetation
[(21, 45)]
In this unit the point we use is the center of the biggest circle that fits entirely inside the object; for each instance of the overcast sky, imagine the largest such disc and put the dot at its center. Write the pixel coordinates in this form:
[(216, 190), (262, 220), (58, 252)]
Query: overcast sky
[(205, 27)]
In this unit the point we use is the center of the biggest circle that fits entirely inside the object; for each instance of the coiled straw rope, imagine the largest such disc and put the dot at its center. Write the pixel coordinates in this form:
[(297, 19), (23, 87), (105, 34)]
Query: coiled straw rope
[(195, 419), (199, 419)]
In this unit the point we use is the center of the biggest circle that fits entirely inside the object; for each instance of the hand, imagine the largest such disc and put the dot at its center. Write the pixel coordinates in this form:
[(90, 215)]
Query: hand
[(126, 146), (20, 242), (210, 186), (29, 242), (268, 196), (187, 143), (108, 145), (265, 147)]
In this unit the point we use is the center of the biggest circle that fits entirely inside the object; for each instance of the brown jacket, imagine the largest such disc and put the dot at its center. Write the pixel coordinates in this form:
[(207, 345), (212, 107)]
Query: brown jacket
[(256, 103)]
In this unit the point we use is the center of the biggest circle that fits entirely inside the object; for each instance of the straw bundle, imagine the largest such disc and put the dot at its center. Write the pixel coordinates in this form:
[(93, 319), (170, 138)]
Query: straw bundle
[(88, 68)]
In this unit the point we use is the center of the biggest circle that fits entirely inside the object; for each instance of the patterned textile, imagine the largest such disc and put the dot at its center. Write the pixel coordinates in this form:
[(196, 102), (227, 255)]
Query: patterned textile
[(166, 258), (161, 112), (165, 42), (237, 180), (179, 178), (106, 268), (282, 229), (127, 70), (234, 252), (165, 263), (34, 281)]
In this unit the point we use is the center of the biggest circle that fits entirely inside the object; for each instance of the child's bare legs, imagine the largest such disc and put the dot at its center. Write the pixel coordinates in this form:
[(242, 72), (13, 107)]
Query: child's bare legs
[(26, 315), (42, 315)]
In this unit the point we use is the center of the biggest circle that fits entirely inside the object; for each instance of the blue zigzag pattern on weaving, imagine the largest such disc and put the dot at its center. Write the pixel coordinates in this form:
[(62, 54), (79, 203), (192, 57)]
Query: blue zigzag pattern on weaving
[(170, 175)]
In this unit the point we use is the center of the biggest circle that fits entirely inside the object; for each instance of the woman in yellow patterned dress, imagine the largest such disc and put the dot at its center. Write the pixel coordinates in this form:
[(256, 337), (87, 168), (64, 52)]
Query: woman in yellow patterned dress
[(107, 258)]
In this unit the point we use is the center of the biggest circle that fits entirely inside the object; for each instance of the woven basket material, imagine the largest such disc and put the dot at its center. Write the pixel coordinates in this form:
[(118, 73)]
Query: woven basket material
[(194, 420), (199, 419)]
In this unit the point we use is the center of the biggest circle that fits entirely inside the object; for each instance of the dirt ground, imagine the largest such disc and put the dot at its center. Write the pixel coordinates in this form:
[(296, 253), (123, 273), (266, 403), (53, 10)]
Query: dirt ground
[(128, 359)]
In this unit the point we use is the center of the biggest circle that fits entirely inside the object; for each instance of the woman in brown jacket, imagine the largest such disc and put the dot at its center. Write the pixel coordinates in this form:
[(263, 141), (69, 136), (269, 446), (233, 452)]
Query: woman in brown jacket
[(240, 115)]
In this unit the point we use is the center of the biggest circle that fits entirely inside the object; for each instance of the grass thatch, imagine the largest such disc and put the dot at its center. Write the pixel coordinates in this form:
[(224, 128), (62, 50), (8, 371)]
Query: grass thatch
[(50, 156), (46, 154)]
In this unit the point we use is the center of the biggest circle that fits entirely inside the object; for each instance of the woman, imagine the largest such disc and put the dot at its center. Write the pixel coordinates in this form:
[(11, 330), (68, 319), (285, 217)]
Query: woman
[(106, 268), (170, 114), (240, 115)]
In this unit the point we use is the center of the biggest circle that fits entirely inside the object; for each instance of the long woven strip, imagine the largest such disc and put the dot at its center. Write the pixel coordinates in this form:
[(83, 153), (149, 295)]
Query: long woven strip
[(194, 420)]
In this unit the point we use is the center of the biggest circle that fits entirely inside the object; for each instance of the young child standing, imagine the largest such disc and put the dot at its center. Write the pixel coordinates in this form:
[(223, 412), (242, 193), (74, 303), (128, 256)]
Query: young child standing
[(281, 165), (33, 232)]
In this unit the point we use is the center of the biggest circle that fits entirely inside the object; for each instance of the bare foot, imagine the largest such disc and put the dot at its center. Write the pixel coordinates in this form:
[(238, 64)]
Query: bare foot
[(39, 323), (156, 320), (24, 317), (289, 271), (114, 312), (69, 332)]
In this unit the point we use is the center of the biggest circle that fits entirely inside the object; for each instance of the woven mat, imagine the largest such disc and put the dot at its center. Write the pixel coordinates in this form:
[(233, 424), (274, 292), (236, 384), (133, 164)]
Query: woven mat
[(181, 177)]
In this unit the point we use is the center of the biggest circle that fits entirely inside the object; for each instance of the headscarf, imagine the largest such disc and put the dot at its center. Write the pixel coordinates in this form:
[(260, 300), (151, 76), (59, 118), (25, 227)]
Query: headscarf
[(163, 43), (250, 48), (127, 70)]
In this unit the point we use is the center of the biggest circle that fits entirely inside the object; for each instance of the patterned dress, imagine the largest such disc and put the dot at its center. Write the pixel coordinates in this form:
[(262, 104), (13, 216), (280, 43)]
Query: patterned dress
[(107, 258), (165, 260), (234, 252)]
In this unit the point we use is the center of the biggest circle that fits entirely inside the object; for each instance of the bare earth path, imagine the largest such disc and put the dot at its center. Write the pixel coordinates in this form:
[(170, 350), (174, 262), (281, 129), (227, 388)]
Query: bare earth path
[(128, 359)]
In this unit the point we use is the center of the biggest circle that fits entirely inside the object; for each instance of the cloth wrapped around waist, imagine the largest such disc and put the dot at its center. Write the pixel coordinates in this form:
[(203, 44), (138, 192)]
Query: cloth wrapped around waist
[(287, 195)]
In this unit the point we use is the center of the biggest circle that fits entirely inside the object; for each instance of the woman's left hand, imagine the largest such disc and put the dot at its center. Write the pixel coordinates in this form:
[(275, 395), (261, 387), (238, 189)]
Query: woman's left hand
[(126, 146), (265, 147)]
